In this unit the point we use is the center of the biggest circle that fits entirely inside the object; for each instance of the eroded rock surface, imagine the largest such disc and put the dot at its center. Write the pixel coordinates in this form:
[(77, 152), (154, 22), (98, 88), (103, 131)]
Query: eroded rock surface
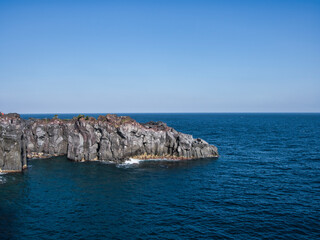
[(12, 143), (109, 138)]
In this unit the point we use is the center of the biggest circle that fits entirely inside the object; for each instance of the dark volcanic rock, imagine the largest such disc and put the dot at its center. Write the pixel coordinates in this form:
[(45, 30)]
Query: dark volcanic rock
[(46, 137), (12, 143), (109, 138)]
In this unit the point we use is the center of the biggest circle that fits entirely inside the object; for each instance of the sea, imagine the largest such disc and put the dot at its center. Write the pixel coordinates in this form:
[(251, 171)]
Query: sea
[(264, 185)]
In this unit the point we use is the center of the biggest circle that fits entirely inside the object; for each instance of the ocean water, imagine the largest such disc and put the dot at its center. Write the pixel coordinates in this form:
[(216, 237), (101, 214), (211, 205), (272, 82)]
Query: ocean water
[(265, 185)]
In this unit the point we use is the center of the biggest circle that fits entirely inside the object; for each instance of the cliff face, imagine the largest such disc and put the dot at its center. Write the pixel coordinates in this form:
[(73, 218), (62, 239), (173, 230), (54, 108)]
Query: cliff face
[(12, 144), (46, 138), (109, 138)]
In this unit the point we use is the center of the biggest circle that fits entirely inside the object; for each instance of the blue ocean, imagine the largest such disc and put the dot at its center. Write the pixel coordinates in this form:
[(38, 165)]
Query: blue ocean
[(264, 185)]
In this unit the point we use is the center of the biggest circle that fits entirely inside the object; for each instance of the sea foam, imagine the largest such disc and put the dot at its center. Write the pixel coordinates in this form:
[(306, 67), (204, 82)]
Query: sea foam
[(2, 178), (131, 162)]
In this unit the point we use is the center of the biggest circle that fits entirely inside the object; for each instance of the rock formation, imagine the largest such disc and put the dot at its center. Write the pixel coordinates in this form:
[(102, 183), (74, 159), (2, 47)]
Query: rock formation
[(12, 143), (108, 138)]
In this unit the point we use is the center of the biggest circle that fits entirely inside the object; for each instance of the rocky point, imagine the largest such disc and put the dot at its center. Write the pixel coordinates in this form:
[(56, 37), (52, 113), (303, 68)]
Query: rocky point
[(108, 138)]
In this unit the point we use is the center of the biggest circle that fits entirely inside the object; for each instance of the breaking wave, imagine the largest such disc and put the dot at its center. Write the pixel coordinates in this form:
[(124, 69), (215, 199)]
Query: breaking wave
[(2, 178), (131, 162)]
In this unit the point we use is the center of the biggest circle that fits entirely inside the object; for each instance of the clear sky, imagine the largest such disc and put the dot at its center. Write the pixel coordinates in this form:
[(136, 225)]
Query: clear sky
[(159, 56)]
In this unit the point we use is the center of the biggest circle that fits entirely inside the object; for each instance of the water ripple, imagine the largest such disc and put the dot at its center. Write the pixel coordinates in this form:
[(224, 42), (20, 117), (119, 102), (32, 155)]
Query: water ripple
[(265, 185)]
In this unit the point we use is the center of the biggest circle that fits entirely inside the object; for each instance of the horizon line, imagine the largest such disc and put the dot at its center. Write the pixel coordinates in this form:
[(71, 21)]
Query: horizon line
[(163, 112)]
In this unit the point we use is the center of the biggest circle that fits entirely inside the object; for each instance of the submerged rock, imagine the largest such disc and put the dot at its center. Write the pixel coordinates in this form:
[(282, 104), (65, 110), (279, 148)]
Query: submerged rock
[(109, 138)]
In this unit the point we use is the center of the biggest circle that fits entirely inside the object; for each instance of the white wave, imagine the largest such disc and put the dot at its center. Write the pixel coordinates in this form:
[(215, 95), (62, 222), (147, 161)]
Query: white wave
[(130, 162), (2, 179), (107, 162), (135, 161)]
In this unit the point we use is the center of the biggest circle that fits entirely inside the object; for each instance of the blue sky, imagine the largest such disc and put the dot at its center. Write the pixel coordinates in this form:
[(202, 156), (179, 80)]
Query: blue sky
[(159, 56)]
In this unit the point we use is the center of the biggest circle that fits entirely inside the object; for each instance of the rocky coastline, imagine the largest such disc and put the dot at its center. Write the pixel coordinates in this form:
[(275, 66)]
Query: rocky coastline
[(108, 138)]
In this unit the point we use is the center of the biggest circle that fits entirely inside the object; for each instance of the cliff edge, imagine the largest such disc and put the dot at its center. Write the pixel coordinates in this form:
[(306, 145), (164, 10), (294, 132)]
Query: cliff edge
[(108, 138)]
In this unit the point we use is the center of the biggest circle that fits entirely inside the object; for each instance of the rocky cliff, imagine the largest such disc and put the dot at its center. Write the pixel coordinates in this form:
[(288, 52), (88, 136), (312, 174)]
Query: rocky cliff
[(12, 143), (108, 138)]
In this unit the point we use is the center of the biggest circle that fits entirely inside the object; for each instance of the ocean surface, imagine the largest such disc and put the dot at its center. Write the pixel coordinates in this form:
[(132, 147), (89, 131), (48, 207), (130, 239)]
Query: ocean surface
[(265, 185)]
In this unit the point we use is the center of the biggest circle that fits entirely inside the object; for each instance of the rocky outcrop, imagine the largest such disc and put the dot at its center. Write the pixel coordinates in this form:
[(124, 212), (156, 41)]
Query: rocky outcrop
[(46, 138), (12, 144), (109, 137)]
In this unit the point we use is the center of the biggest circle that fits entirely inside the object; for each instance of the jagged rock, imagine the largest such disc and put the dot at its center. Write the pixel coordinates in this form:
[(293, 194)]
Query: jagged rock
[(12, 143), (48, 137), (109, 138)]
